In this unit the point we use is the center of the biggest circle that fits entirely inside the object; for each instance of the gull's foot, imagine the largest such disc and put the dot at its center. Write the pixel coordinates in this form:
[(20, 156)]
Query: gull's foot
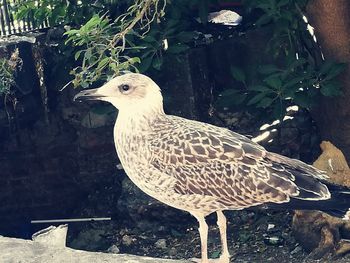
[(217, 260)]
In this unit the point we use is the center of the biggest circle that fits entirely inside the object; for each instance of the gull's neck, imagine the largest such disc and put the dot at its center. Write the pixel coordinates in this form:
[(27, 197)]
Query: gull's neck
[(138, 120)]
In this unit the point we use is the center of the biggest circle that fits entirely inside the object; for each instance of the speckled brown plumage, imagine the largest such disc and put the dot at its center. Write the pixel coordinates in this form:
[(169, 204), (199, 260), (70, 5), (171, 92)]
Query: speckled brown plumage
[(198, 167), (229, 169)]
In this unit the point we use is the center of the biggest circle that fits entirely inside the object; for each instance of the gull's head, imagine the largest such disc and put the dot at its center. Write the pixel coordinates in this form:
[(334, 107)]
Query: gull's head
[(131, 92)]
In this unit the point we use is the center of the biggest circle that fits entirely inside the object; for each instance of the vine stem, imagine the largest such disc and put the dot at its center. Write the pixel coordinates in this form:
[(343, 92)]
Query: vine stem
[(137, 18)]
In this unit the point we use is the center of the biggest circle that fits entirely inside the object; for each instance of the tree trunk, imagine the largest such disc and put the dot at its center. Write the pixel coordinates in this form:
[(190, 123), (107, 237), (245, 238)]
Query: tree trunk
[(331, 20)]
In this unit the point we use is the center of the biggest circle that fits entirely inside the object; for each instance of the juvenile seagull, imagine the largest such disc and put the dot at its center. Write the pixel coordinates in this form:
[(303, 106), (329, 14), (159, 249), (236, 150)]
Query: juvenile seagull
[(202, 168)]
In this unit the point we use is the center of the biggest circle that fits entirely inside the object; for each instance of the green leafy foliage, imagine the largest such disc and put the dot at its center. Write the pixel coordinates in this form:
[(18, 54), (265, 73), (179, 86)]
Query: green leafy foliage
[(238, 74), (99, 60), (7, 69), (112, 36), (281, 87), (6, 77), (57, 12), (97, 32), (285, 16), (300, 74), (106, 47), (140, 34), (215, 254)]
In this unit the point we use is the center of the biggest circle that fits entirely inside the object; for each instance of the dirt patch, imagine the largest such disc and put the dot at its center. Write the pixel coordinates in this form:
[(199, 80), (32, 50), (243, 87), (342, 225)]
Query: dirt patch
[(160, 231)]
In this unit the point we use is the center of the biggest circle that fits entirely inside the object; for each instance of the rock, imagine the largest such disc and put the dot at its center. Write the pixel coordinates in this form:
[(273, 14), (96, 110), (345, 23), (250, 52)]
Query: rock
[(317, 232), (161, 229), (161, 243), (52, 236), (127, 240), (296, 250), (96, 119), (20, 250), (333, 161), (271, 228), (273, 240), (172, 252), (113, 249), (88, 239)]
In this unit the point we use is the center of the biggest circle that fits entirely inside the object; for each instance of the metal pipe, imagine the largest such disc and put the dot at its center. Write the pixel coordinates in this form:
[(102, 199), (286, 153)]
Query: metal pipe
[(70, 220)]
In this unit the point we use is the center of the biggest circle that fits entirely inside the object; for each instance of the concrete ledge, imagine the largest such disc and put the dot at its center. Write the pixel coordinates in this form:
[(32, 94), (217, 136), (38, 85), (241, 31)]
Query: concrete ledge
[(47, 246)]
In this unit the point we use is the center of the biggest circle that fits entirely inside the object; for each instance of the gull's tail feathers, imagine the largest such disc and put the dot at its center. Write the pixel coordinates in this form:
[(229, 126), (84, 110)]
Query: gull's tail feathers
[(338, 204)]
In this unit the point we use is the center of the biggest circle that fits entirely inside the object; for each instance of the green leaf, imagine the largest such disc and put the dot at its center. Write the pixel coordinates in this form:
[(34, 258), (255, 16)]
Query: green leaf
[(259, 88), (326, 67), (103, 63), (232, 97), (185, 36), (296, 63), (157, 63), (215, 254), (256, 98), (71, 32), (95, 20), (237, 74), (263, 20), (149, 39), (88, 54), (330, 89), (265, 102), (134, 60), (268, 69), (295, 82), (176, 49), (273, 81), (282, 2), (145, 64), (113, 66), (335, 70), (77, 54)]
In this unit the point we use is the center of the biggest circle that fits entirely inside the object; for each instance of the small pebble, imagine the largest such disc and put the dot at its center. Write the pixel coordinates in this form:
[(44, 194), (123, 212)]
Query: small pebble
[(161, 243), (296, 250), (113, 249), (127, 240), (270, 227), (120, 166), (172, 252), (161, 228), (273, 240), (123, 231)]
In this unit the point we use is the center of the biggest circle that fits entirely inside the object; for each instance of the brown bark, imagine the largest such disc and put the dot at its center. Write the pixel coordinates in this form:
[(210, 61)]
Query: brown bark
[(331, 20)]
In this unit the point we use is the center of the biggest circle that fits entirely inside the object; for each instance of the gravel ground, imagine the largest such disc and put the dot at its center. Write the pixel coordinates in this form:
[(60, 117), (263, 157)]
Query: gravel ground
[(160, 231)]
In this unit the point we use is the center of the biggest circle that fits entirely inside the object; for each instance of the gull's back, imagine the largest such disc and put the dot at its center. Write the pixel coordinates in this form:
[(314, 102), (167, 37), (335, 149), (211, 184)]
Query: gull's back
[(197, 166)]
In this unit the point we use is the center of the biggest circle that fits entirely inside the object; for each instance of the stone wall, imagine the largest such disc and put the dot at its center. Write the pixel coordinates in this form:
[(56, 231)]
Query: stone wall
[(57, 158), (54, 167)]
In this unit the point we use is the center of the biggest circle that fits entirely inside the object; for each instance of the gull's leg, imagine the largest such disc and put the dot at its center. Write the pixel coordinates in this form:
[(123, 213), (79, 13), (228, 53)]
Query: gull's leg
[(203, 233), (221, 222)]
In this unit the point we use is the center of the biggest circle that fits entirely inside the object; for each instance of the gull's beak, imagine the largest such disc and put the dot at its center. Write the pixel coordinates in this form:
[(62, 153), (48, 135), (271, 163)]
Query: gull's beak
[(91, 94)]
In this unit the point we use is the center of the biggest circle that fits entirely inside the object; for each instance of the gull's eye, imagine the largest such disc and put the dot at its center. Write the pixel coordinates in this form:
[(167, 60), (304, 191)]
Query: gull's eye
[(124, 88)]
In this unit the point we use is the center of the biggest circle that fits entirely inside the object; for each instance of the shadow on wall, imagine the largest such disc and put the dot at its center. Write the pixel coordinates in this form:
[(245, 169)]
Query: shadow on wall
[(57, 159)]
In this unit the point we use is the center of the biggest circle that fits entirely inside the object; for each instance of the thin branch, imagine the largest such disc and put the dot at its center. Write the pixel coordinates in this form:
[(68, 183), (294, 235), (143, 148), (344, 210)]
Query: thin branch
[(138, 17)]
